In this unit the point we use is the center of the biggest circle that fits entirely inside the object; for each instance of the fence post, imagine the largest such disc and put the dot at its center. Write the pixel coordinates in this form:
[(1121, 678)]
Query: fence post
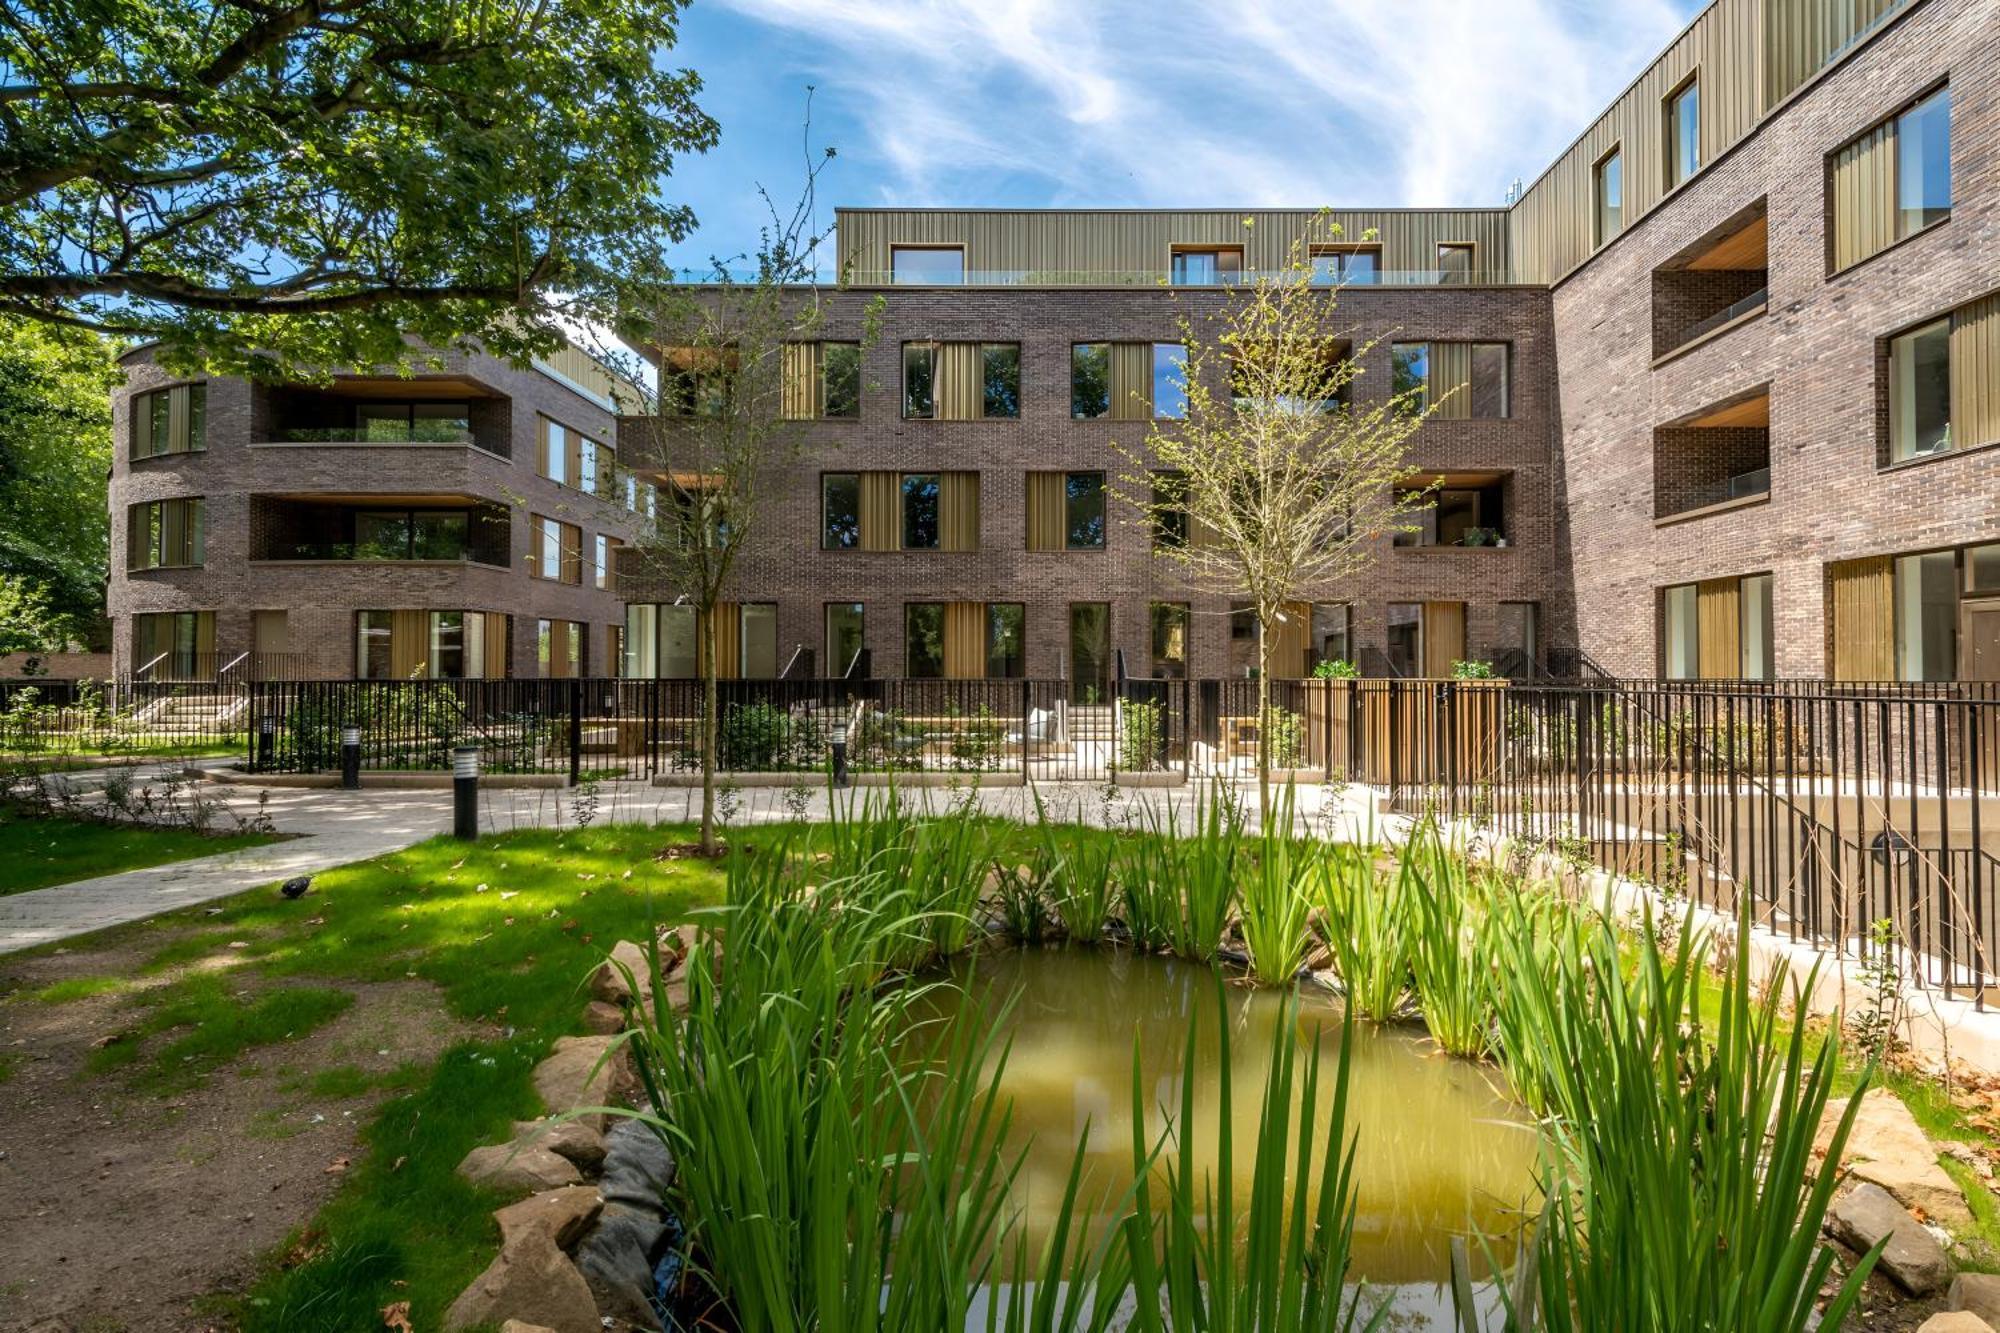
[(1027, 737), (575, 730)]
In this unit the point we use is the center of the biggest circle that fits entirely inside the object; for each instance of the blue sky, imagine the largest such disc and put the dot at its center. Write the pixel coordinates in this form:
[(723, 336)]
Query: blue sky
[(1107, 103)]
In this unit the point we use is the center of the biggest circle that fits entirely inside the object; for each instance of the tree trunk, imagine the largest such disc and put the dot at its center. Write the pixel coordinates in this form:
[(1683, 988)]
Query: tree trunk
[(1263, 717), (709, 730)]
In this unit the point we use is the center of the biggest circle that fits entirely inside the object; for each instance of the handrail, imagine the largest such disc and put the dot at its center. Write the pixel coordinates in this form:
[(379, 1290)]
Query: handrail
[(1734, 310), (143, 672)]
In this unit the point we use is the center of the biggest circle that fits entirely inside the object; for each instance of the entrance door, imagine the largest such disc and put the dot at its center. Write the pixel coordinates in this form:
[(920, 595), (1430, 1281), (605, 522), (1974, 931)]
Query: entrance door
[(1089, 652), (1979, 660)]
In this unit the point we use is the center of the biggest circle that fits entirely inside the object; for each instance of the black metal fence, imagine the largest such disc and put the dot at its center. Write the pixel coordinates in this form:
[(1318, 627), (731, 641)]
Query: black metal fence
[(68, 718)]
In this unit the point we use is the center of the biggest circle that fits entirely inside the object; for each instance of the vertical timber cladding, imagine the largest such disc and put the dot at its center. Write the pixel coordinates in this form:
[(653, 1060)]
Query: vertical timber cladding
[(1747, 55), (1133, 246)]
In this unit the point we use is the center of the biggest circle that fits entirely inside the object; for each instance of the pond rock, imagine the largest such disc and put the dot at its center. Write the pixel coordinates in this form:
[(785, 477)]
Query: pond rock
[(1977, 1293), (601, 1018), (573, 1139), (638, 1168), (584, 1071), (1954, 1321), (515, 1168), (611, 983), (563, 1216), (530, 1281), (616, 1260), (1888, 1148), (1913, 1259)]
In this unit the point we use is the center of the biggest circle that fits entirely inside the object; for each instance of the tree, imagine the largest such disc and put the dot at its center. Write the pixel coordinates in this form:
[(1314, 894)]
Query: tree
[(1275, 484), (713, 423), (269, 185), (55, 462)]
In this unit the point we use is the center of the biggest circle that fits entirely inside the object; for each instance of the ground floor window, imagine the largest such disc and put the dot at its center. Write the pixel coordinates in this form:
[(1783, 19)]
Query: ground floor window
[(559, 649), (845, 635), (1332, 632), (1170, 623), (1517, 639), (664, 641), (964, 640), (1718, 629), (1426, 639), (174, 645), (1089, 651), (429, 645)]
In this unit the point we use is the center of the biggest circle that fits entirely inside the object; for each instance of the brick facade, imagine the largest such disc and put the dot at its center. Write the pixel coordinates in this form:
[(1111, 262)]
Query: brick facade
[(1818, 348), (247, 477)]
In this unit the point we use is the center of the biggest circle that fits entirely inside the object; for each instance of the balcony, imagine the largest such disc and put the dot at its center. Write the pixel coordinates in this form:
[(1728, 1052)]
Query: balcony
[(1713, 460), (427, 528), (1466, 510), (1714, 285), (1160, 277), (374, 412)]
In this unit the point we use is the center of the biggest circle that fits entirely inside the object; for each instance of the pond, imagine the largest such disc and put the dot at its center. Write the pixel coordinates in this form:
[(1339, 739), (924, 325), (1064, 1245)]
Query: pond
[(1441, 1147)]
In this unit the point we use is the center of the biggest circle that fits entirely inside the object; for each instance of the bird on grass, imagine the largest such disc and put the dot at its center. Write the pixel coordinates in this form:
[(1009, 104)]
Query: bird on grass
[(295, 887)]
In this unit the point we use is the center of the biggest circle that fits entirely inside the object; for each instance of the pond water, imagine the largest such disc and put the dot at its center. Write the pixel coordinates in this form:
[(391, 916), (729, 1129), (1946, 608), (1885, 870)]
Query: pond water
[(1441, 1148)]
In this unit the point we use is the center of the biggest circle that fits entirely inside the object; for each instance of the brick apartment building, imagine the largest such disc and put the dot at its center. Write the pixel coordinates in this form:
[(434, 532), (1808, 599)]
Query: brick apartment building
[(456, 522), (1717, 393)]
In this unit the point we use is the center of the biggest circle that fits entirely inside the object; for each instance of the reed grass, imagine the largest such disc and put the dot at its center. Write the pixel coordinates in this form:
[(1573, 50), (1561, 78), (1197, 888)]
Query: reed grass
[(1366, 918), (1278, 897), (1453, 981)]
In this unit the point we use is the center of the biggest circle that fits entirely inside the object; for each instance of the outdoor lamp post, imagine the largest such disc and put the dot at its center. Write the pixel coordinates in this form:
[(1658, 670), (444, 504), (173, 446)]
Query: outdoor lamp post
[(465, 792)]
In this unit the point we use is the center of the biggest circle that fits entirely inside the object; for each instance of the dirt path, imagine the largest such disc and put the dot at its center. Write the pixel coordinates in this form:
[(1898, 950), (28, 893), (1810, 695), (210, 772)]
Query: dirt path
[(122, 1209)]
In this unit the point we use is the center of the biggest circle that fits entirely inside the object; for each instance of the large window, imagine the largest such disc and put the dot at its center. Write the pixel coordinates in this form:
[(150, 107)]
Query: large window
[(174, 645), (920, 512), (1718, 629), (1083, 511), (1923, 164), (1090, 381), (170, 421), (1169, 381), (923, 640), (1920, 392), (1089, 652), (1206, 266), (1332, 632), (558, 550), (841, 374), (1891, 182), (1171, 622), (411, 534), (1518, 638), (1168, 511), (1458, 515), (1340, 266), (559, 648), (1683, 124), (377, 422), (165, 534), (845, 635), (1452, 380), (961, 381), (1405, 641), (1608, 193), (840, 511), (1454, 260), (1006, 640), (822, 380), (927, 265), (1927, 616)]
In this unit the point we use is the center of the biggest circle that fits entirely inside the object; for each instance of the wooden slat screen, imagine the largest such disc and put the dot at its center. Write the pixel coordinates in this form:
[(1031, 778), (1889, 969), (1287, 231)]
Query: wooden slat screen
[(1975, 373), (804, 394), (204, 635), (409, 643), (960, 390), (958, 511), (1131, 381), (1863, 633), (725, 622), (964, 640), (1046, 529), (571, 537), (1864, 196), (1291, 642), (1444, 637), (497, 626), (881, 511), (1718, 629), (1450, 384)]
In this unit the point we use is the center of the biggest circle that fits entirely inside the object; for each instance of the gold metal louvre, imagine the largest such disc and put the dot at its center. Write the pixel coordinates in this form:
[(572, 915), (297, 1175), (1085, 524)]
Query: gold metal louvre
[(1864, 602), (1046, 529), (1864, 197), (1975, 373)]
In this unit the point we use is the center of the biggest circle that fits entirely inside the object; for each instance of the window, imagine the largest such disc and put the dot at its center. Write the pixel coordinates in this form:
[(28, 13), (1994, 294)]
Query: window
[(1083, 511), (1341, 266), (1459, 516), (758, 622), (1170, 624), (961, 381), (1406, 638), (1454, 262), (1920, 392), (679, 658), (1090, 381), (556, 452), (1333, 632), (697, 381), (840, 368), (570, 458), (558, 550), (1206, 266), (1518, 639), (1926, 592), (1754, 633), (165, 534), (411, 534), (174, 645), (1452, 380), (1683, 124), (1718, 629), (821, 380), (1608, 189), (927, 265), (1679, 660), (603, 565), (923, 640), (559, 649), (840, 511), (170, 421), (845, 624), (920, 512), (1169, 381), (1000, 367), (413, 423), (1089, 651), (641, 497), (373, 631), (447, 646), (1409, 374), (1006, 640), (1169, 509), (1923, 164)]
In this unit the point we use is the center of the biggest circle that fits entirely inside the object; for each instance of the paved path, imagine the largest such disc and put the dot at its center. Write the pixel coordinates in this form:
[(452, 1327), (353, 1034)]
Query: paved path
[(337, 827)]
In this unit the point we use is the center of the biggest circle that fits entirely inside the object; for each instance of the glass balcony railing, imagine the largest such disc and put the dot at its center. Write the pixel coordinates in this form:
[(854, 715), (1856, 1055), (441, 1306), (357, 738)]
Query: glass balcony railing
[(345, 551), (1755, 301), (1395, 277), (423, 432)]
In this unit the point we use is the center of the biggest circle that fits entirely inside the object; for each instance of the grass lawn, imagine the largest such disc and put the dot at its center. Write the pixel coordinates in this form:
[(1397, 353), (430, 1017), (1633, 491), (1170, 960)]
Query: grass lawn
[(506, 932), (35, 853)]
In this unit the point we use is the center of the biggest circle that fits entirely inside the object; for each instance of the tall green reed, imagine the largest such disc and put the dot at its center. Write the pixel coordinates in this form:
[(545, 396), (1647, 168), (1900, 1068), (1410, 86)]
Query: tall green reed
[(1454, 990), (1180, 891), (1278, 897), (1365, 915)]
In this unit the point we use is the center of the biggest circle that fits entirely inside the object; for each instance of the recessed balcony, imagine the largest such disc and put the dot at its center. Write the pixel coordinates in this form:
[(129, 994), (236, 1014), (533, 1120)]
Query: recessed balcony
[(1716, 459), (368, 411), (1464, 510), (1717, 283), (413, 528)]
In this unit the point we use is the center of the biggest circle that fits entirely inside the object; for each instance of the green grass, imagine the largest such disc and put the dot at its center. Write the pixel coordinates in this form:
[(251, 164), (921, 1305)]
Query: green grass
[(36, 853)]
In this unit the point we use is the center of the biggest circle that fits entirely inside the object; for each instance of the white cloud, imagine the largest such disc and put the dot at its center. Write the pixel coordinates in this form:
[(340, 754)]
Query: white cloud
[(1112, 102)]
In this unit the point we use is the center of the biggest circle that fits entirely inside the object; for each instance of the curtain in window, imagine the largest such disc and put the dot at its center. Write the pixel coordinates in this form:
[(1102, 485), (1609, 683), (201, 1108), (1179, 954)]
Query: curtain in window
[(1864, 196), (1864, 599), (1718, 619), (1975, 373), (965, 640), (804, 391), (1131, 381), (1045, 511), (725, 622), (958, 511), (495, 638), (881, 511), (176, 538), (1450, 384), (961, 382), (173, 431), (1444, 637), (204, 638), (409, 643)]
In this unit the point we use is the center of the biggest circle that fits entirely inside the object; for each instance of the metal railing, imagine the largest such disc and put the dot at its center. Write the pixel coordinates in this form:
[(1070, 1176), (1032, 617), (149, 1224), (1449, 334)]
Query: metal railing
[(1051, 277), (1735, 310)]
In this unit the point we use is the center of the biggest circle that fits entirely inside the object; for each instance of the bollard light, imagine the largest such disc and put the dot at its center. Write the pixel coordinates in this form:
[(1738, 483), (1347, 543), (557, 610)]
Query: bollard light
[(840, 763), (267, 734), (350, 757), (465, 792)]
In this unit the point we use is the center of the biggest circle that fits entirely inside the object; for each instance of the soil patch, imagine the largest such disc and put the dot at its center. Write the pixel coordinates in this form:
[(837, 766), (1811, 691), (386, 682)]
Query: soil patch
[(122, 1209)]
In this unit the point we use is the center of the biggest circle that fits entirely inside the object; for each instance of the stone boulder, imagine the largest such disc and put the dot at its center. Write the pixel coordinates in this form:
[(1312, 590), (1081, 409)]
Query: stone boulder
[(601, 1018), (611, 984), (1976, 1293), (573, 1139), (532, 1282), (517, 1168), (1887, 1147), (516, 1326), (585, 1071), (638, 1168), (1912, 1259), (1954, 1321), (561, 1216), (616, 1260)]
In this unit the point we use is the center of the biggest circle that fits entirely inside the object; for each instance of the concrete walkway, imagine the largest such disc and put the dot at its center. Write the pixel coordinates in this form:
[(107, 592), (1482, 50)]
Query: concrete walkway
[(336, 827)]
